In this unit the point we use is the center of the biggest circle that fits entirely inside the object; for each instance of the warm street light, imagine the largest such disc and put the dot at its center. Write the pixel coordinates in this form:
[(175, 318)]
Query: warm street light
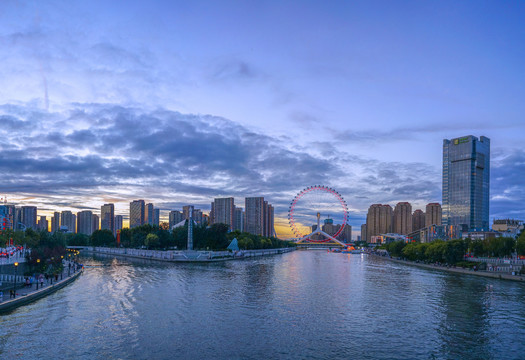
[(38, 262), (14, 289)]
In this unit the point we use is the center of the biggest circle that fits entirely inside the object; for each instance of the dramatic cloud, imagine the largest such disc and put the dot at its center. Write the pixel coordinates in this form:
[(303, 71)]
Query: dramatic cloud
[(171, 158)]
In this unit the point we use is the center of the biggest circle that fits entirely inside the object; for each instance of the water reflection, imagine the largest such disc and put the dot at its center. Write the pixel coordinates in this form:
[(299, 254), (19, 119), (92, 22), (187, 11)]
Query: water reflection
[(300, 305)]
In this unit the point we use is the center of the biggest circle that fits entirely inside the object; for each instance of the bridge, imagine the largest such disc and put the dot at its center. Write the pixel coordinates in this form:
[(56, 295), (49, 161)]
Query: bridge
[(330, 241)]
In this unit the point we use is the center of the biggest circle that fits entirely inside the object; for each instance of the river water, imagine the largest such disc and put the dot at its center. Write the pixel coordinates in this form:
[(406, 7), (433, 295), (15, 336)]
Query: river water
[(304, 305)]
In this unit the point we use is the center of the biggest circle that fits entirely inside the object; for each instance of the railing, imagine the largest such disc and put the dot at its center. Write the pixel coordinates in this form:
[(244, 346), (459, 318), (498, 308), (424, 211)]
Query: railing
[(188, 255), (504, 262), (19, 257)]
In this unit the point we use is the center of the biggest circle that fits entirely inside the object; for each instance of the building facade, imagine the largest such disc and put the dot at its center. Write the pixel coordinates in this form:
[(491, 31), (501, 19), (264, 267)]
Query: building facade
[(402, 220), (223, 211), (175, 217), (107, 217), (85, 222), (119, 221), (136, 213), (68, 221), (55, 222), (378, 220), (466, 182), (418, 220), (29, 217), (433, 215)]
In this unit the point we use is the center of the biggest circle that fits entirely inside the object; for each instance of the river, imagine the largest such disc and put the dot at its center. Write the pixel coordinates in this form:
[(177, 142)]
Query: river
[(304, 305)]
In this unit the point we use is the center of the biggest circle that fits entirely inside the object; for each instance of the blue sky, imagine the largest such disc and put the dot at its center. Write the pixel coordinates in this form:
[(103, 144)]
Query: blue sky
[(179, 102)]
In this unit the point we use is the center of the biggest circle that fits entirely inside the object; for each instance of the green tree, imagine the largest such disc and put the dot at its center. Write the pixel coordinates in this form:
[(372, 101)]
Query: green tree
[(152, 241), (102, 238)]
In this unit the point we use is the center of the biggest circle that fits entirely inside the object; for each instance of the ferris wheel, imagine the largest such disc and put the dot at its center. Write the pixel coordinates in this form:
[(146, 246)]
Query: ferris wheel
[(310, 206)]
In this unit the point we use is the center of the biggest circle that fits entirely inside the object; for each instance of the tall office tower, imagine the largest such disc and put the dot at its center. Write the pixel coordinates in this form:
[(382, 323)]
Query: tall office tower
[(346, 234), (68, 220), (149, 214), (433, 215), (363, 233), (466, 182), (107, 217), (29, 216), (85, 222), (96, 222), (18, 225), (186, 211), (268, 219), (254, 215), (119, 220), (198, 216), (175, 217), (136, 213), (156, 217), (4, 222), (223, 209), (42, 224), (238, 223), (418, 220), (210, 216), (9, 213), (402, 220), (378, 220), (55, 222)]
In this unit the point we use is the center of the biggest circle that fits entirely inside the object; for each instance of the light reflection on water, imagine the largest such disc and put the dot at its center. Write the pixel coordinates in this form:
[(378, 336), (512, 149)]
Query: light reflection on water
[(312, 304)]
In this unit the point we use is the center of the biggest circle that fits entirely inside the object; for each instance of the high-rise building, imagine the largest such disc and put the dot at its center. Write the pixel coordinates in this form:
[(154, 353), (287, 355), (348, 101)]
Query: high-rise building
[(55, 222), (107, 217), (254, 215), (156, 217), (268, 220), (85, 222), (402, 221), (9, 212), (149, 214), (239, 219), (223, 210), (418, 220), (175, 217), (363, 232), (96, 222), (42, 224), (29, 216), (378, 220), (466, 182), (68, 221), (433, 215), (119, 219), (136, 213)]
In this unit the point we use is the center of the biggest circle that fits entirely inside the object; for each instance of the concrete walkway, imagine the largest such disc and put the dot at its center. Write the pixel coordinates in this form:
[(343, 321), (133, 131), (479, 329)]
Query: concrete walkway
[(25, 295)]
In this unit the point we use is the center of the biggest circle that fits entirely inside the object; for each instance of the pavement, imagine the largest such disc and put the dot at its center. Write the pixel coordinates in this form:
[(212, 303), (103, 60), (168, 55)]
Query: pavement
[(23, 291)]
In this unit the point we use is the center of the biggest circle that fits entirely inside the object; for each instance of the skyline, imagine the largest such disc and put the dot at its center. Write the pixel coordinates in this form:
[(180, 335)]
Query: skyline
[(181, 103)]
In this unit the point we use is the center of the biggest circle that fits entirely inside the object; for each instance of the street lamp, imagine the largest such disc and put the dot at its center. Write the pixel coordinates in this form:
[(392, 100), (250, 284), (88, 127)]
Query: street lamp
[(14, 289), (38, 265), (62, 262)]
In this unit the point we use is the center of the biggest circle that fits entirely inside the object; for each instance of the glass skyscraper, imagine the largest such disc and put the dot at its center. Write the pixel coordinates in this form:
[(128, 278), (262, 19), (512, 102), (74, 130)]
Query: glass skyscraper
[(466, 182)]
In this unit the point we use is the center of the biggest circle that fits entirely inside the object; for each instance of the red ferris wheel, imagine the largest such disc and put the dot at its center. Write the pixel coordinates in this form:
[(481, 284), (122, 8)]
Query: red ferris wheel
[(309, 206)]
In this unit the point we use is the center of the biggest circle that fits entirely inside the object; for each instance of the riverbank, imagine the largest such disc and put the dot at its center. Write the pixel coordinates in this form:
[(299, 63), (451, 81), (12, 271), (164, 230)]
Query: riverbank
[(186, 255), (27, 295), (489, 274)]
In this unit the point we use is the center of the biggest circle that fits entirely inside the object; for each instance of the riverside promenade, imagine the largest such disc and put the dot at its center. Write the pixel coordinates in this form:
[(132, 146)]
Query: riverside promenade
[(457, 270), (26, 295), (187, 255)]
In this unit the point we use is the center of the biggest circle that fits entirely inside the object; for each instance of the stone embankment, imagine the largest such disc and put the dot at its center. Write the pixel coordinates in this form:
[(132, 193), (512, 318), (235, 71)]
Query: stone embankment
[(490, 274), (187, 255)]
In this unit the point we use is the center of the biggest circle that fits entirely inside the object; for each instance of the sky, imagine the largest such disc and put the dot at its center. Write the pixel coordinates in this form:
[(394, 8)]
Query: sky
[(179, 102)]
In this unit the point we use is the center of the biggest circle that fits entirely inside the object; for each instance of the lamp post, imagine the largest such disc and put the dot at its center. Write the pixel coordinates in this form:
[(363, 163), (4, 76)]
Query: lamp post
[(14, 288), (62, 261), (52, 261), (38, 265)]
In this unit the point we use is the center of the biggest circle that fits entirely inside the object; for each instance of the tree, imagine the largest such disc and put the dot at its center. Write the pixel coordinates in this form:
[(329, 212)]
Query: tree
[(152, 241), (520, 244), (102, 238)]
